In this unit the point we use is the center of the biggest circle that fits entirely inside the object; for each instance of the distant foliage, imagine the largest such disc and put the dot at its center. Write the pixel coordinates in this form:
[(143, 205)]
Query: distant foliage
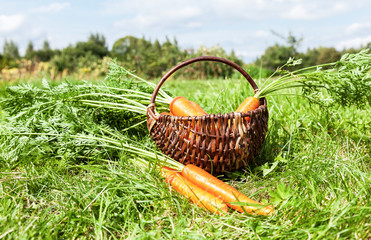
[(145, 57), (10, 55), (151, 59), (277, 55), (155, 59)]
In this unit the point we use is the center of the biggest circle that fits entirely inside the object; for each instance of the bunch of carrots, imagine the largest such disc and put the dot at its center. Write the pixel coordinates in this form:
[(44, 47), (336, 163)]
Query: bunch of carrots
[(201, 187), (182, 107), (339, 81), (210, 193), (191, 181), (216, 196)]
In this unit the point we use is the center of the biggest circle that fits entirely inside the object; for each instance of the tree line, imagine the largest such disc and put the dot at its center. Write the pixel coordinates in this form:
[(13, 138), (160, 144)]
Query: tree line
[(153, 58), (278, 54)]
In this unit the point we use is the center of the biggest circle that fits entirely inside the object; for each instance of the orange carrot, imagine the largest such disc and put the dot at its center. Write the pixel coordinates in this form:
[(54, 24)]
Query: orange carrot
[(198, 107), (180, 106), (248, 104), (200, 197), (227, 193)]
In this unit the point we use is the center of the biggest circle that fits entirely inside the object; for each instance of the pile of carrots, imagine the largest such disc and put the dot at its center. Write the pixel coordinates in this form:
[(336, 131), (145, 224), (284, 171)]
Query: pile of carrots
[(201, 187), (210, 193), (180, 106)]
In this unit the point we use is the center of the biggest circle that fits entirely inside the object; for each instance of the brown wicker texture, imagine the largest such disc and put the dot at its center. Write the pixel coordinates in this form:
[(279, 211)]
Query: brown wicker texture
[(214, 142)]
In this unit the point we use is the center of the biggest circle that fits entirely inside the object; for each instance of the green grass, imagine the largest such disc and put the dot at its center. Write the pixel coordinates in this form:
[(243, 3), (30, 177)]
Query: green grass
[(314, 167)]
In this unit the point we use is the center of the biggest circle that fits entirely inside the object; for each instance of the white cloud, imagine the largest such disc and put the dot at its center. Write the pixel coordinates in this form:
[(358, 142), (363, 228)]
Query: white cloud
[(310, 10), (249, 54), (358, 28), (163, 18), (298, 12), (262, 34), (340, 7), (53, 7), (354, 42), (10, 23), (185, 13), (193, 24)]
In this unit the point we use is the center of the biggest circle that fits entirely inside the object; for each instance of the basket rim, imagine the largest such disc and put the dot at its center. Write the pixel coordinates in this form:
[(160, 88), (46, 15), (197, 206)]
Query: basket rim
[(215, 116)]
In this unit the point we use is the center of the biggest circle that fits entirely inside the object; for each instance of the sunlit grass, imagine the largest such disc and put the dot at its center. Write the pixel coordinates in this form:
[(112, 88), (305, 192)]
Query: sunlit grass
[(314, 167)]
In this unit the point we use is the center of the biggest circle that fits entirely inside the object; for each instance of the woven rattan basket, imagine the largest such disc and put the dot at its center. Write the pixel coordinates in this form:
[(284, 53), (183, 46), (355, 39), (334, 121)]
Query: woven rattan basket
[(214, 142)]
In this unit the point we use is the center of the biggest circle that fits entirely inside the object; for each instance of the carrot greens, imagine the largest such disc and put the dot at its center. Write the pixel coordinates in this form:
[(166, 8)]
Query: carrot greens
[(347, 81)]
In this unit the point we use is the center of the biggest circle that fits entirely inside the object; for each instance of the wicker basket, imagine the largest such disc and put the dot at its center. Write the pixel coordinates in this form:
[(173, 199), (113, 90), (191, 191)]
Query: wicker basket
[(214, 142)]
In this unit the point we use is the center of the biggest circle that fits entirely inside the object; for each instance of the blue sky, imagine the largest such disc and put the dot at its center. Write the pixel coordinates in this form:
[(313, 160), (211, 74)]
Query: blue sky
[(242, 25)]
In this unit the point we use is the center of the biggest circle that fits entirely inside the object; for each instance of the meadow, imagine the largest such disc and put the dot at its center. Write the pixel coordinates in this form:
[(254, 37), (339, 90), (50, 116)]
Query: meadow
[(314, 168)]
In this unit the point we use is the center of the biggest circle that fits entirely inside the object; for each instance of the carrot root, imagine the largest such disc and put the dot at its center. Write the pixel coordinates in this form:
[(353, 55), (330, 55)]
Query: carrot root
[(227, 193), (249, 104), (198, 196), (198, 107), (180, 106)]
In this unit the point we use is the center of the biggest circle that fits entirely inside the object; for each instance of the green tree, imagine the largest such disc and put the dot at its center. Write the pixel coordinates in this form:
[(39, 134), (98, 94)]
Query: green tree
[(45, 54), (81, 54), (96, 45), (132, 51), (327, 54), (63, 61), (10, 50), (2, 63), (46, 45), (276, 56), (30, 52), (310, 58), (67, 59), (10, 54)]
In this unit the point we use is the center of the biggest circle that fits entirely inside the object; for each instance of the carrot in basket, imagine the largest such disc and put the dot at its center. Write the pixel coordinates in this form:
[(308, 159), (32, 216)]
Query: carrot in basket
[(200, 197), (198, 107), (227, 193), (180, 106), (248, 104)]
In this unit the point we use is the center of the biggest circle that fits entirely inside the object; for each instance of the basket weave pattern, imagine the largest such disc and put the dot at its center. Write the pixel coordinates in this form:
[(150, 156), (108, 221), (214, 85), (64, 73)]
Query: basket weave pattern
[(214, 142)]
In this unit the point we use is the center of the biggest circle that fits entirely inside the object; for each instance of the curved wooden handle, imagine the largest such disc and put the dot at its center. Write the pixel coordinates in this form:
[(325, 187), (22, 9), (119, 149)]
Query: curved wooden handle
[(197, 59)]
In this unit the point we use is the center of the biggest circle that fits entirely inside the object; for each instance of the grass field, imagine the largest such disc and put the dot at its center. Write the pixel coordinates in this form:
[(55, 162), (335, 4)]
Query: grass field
[(314, 168)]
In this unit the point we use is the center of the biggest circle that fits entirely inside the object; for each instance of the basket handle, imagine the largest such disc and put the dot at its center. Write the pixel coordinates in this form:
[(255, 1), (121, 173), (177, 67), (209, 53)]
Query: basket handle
[(151, 107)]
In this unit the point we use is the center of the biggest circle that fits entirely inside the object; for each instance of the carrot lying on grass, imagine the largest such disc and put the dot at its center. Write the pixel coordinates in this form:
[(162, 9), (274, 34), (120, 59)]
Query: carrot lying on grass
[(193, 178), (197, 195), (227, 193)]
